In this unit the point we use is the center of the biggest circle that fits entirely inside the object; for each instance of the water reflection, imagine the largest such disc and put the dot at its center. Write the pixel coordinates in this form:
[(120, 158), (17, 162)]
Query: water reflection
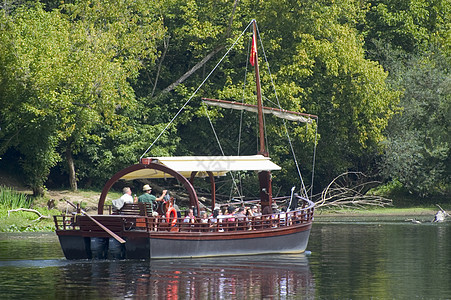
[(32, 266), (380, 259), (268, 277), (385, 260)]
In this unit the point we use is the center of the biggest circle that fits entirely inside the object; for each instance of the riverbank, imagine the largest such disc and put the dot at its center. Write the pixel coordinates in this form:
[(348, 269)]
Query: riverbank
[(54, 202)]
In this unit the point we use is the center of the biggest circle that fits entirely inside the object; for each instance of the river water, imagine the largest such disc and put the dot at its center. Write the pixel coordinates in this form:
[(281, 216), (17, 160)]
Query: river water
[(346, 259)]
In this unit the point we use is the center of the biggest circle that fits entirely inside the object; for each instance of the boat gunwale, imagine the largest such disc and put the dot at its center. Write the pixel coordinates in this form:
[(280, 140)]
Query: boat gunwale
[(266, 225)]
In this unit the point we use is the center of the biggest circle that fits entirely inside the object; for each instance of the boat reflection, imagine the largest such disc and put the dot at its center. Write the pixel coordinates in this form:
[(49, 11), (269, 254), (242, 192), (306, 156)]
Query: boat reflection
[(229, 277), (264, 277)]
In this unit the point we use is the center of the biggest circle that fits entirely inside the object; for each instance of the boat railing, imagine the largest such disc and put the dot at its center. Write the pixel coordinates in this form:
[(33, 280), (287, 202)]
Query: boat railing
[(66, 222), (137, 217)]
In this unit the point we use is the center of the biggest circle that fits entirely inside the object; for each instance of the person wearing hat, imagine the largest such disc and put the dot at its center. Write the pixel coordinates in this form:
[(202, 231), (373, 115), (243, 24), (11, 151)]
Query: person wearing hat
[(147, 197)]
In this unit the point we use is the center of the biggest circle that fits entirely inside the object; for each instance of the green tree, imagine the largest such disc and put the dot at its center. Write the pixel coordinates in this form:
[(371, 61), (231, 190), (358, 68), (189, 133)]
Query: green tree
[(417, 151), (33, 47), (410, 25), (411, 40), (314, 50), (68, 73), (317, 59)]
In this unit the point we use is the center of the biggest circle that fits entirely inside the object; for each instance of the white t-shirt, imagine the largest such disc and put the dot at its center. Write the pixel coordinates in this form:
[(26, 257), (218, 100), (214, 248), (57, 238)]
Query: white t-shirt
[(127, 198)]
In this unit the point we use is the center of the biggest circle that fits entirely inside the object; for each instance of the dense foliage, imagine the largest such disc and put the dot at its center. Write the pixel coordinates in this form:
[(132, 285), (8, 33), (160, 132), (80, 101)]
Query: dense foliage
[(411, 40), (86, 87)]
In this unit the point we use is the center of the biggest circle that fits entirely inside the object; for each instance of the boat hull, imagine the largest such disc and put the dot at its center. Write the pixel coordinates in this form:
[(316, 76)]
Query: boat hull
[(76, 245), (295, 242)]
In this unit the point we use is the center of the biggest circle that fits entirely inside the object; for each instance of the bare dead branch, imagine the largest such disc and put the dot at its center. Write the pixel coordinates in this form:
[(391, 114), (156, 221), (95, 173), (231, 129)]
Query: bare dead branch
[(444, 211), (229, 29), (41, 216), (348, 190), (193, 69), (160, 63)]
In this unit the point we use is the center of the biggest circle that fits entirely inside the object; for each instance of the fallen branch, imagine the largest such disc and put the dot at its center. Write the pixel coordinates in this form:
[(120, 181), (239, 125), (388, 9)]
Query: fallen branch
[(444, 211), (41, 216), (348, 190), (441, 215), (193, 69)]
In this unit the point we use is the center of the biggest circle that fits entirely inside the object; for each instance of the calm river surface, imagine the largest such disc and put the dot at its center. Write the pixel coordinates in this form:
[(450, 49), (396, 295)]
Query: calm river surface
[(347, 259)]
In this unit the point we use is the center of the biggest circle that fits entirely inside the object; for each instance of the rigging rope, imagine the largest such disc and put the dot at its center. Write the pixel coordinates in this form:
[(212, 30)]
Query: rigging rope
[(195, 92), (303, 190), (240, 191), (220, 148), (278, 104)]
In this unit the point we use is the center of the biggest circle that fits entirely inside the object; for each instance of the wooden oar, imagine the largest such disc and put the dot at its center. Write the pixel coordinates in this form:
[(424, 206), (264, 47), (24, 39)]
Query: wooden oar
[(118, 238)]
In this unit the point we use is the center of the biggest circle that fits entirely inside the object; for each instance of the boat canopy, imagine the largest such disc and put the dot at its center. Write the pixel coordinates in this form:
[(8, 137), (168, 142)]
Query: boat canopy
[(218, 165)]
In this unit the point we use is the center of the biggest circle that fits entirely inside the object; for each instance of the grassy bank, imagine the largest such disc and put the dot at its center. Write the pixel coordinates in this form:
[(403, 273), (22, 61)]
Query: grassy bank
[(41, 218)]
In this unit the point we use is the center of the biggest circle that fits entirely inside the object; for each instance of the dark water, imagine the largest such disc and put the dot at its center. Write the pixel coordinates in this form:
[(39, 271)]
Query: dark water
[(378, 259)]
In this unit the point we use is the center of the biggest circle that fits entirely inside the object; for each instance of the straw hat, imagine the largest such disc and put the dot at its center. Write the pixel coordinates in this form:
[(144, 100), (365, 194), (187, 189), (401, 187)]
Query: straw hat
[(146, 188)]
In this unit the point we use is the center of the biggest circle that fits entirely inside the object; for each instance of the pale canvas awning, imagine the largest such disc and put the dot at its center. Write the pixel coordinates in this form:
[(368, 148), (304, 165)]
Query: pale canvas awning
[(218, 165)]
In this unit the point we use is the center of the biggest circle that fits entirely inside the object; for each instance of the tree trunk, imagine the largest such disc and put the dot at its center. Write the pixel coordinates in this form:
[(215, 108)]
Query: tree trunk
[(38, 191), (71, 167)]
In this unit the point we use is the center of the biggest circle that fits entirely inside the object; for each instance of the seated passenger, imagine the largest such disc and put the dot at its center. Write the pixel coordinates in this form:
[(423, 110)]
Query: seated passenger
[(282, 216), (177, 209), (216, 217), (127, 196), (267, 210), (229, 216), (204, 217), (240, 215), (189, 217), (256, 211)]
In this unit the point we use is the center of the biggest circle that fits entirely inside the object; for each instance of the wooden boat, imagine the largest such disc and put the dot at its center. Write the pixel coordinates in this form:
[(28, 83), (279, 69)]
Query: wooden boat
[(133, 233)]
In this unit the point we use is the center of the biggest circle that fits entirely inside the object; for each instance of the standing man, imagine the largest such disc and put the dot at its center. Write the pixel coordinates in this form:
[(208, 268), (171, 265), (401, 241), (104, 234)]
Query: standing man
[(147, 197)]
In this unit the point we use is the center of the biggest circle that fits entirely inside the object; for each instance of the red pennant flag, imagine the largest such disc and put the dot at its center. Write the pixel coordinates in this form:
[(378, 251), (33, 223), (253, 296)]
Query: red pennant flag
[(253, 51)]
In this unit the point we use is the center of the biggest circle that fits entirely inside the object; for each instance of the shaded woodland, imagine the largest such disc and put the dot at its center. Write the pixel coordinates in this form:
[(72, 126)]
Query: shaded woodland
[(87, 86)]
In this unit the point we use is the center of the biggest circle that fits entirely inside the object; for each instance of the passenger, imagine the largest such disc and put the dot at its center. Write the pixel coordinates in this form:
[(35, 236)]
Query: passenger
[(190, 217), (275, 211), (177, 209), (224, 211), (241, 218), (275, 215), (216, 217), (127, 196), (229, 216), (147, 197), (282, 216), (254, 216), (203, 217), (248, 211), (256, 211), (240, 214)]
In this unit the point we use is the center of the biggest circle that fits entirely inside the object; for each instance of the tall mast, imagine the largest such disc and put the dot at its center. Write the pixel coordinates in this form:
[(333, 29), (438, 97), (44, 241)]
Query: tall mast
[(259, 94), (264, 177)]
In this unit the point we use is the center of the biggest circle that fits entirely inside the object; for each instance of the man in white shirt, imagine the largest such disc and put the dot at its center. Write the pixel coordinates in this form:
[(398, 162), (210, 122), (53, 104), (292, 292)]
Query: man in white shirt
[(127, 196)]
